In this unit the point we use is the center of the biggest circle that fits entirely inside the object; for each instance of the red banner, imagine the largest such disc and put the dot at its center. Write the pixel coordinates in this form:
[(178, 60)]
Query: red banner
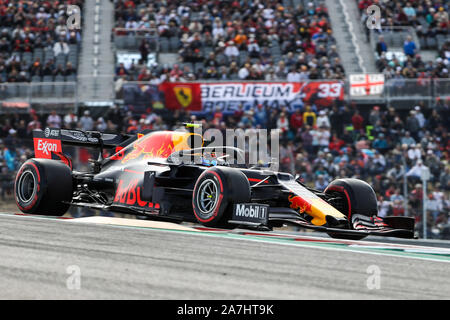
[(182, 95), (228, 95)]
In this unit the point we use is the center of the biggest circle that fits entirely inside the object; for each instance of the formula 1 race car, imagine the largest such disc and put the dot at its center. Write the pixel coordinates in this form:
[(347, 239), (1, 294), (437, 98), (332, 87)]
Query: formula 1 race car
[(160, 175)]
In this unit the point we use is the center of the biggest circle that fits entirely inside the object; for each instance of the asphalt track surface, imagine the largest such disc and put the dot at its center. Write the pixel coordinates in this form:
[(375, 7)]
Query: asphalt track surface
[(37, 256)]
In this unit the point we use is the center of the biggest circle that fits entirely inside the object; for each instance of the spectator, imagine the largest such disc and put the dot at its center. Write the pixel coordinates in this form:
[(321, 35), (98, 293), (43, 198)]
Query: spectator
[(86, 121), (70, 120), (357, 121), (409, 47), (54, 120), (309, 117), (231, 51), (60, 47), (322, 120), (381, 46)]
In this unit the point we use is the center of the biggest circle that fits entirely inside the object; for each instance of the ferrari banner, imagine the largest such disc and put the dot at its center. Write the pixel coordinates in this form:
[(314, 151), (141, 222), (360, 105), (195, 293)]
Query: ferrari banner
[(182, 95), (227, 96)]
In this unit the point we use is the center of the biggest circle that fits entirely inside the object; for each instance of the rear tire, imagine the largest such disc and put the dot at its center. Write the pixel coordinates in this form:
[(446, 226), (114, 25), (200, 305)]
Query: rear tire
[(41, 187), (215, 192)]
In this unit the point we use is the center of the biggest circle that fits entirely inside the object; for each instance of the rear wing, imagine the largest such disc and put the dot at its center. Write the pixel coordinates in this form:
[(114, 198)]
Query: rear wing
[(50, 140)]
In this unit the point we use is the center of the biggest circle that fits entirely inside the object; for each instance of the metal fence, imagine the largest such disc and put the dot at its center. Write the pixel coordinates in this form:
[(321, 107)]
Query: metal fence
[(39, 92), (394, 37), (441, 88), (402, 93), (130, 39)]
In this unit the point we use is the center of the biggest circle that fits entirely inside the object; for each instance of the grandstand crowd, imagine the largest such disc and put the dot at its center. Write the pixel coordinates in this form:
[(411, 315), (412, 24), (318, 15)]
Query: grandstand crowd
[(251, 40), (35, 43), (234, 40), (430, 21)]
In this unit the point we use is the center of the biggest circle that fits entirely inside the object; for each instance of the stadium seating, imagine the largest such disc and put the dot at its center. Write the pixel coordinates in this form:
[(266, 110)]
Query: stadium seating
[(33, 39), (278, 27)]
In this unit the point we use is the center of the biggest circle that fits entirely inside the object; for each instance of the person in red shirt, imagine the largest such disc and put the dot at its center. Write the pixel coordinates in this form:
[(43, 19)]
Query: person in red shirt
[(296, 120), (335, 144), (130, 4), (357, 121)]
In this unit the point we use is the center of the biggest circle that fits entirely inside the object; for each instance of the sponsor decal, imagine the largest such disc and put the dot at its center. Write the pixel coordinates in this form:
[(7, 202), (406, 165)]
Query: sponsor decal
[(158, 145), (183, 95), (48, 133), (180, 95), (315, 207), (299, 204), (130, 194), (43, 148), (251, 212), (80, 136)]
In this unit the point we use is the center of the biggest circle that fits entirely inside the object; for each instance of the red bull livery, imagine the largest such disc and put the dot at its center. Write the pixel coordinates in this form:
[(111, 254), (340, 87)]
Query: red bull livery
[(161, 175)]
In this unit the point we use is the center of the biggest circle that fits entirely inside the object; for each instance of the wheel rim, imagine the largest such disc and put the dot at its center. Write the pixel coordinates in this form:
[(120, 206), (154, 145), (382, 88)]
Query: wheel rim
[(207, 197), (26, 187)]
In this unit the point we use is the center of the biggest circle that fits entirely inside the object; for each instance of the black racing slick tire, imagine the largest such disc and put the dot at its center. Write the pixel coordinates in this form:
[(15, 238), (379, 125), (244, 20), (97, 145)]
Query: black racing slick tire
[(358, 198), (44, 187), (215, 192)]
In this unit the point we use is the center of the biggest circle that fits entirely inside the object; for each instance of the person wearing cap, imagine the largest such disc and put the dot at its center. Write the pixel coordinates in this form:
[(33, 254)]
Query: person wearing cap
[(322, 119), (442, 18), (86, 121), (415, 153), (415, 172), (420, 117), (231, 51)]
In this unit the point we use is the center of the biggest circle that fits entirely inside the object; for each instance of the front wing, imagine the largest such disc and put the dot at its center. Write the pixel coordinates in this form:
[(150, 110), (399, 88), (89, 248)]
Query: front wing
[(361, 226)]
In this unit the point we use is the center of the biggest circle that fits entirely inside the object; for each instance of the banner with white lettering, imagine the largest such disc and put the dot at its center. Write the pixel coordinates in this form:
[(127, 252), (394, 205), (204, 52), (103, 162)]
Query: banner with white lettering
[(227, 96)]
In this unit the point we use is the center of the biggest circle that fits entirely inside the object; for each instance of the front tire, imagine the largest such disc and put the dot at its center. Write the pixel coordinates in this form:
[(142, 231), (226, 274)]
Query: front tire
[(215, 192), (359, 198), (43, 187)]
